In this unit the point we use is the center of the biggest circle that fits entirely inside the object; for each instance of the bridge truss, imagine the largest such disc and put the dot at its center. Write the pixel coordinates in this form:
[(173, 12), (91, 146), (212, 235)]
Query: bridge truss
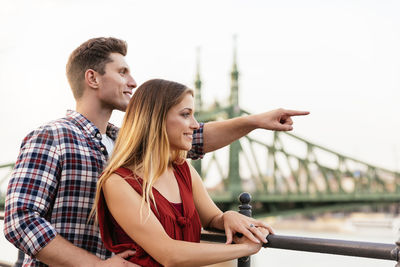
[(283, 172)]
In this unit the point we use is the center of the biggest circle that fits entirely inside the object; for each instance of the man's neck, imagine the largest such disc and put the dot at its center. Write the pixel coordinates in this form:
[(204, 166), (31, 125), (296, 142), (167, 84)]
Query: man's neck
[(97, 115)]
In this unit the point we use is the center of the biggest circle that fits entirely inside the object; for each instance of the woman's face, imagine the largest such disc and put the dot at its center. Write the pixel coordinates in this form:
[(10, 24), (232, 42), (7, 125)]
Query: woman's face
[(181, 124)]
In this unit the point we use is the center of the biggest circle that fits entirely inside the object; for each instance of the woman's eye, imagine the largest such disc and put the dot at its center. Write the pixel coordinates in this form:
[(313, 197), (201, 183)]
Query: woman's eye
[(186, 115)]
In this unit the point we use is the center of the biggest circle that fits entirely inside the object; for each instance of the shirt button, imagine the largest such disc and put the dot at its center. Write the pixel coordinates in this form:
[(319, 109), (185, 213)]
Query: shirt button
[(98, 135), (102, 149)]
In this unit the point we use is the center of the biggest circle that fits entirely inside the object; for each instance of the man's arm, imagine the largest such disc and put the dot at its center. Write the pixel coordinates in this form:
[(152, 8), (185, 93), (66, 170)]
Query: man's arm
[(218, 134), (60, 252), (31, 190)]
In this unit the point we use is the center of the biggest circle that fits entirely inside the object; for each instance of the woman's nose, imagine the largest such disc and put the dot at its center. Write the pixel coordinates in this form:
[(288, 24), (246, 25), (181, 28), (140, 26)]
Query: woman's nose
[(195, 125)]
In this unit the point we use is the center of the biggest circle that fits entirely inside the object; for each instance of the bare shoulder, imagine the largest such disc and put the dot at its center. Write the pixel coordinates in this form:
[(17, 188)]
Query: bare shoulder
[(196, 179), (191, 168), (114, 178), (115, 182), (193, 171)]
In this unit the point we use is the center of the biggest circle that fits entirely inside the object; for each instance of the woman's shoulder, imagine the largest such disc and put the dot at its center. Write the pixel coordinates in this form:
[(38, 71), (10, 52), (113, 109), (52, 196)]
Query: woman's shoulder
[(121, 174), (124, 172)]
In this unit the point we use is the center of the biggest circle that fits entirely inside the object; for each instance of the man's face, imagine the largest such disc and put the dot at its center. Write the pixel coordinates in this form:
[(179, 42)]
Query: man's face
[(116, 85)]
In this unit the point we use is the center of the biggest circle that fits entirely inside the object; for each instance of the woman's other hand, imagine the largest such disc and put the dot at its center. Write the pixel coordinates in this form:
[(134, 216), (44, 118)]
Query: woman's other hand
[(251, 245)]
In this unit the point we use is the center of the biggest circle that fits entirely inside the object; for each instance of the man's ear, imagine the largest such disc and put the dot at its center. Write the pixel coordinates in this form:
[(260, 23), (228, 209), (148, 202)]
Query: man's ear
[(91, 78)]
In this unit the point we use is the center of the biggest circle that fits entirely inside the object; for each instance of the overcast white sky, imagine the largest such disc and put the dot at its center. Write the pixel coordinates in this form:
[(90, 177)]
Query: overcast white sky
[(339, 59)]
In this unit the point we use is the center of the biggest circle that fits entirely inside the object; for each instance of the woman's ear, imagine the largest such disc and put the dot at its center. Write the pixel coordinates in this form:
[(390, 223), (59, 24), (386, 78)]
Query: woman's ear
[(91, 78)]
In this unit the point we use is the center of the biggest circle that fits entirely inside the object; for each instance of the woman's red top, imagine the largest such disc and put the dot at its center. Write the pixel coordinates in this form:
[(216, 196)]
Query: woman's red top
[(180, 225)]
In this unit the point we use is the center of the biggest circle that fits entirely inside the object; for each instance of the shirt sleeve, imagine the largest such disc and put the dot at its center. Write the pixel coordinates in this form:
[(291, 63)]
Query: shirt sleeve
[(197, 151), (31, 192)]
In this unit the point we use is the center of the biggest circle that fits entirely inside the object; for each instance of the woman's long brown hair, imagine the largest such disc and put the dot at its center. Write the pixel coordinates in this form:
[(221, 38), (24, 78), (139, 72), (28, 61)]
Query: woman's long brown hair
[(142, 143)]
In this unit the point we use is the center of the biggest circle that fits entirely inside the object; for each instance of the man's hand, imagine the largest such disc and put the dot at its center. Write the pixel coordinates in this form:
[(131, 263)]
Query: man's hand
[(276, 120), (218, 134), (61, 252), (118, 260)]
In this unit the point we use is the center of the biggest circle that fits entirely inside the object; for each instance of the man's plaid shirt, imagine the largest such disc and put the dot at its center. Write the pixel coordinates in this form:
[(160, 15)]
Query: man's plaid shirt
[(53, 185)]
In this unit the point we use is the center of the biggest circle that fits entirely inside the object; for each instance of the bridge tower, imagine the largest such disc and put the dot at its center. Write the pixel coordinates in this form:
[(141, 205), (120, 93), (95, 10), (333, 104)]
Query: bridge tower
[(198, 102), (234, 181), (197, 84)]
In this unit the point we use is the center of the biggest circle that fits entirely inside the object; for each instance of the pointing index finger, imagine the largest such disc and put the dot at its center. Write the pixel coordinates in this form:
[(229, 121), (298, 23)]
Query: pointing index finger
[(296, 112)]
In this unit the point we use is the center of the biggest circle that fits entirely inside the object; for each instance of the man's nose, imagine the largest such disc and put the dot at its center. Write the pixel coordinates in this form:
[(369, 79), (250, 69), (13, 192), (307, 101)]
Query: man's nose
[(131, 82)]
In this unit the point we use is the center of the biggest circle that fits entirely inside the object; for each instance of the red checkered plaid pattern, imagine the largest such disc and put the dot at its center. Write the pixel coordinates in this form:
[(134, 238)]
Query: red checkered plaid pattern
[(53, 185)]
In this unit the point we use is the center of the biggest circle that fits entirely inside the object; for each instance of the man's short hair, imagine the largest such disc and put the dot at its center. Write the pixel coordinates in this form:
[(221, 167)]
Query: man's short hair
[(92, 54)]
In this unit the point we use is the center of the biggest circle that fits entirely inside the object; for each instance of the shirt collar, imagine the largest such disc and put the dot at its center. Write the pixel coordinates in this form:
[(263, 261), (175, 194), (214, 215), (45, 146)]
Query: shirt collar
[(112, 131), (89, 127)]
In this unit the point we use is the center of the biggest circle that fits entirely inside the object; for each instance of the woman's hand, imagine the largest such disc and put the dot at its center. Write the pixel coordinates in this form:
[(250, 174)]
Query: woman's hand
[(235, 222), (252, 247)]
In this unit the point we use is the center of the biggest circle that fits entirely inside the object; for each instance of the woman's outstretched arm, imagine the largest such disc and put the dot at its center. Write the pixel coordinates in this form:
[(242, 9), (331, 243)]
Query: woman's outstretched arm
[(124, 204)]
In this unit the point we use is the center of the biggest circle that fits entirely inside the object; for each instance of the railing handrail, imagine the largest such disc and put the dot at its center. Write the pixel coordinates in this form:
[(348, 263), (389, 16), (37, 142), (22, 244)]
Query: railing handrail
[(320, 245)]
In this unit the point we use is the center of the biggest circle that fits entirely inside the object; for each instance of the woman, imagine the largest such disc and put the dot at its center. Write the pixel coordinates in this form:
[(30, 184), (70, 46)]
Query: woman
[(151, 200)]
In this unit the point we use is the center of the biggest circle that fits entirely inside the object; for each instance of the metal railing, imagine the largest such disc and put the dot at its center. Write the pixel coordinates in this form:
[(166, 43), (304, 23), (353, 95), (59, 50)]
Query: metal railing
[(328, 246)]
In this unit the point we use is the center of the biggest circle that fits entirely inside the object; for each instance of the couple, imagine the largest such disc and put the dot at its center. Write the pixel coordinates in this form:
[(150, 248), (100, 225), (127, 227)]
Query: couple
[(147, 193)]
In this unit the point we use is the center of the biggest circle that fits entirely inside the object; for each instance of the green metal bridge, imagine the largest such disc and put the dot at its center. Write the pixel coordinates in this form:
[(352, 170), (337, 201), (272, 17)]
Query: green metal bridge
[(287, 173), (281, 180), (282, 171)]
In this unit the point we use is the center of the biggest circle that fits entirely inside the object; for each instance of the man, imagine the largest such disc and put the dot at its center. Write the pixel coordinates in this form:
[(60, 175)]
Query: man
[(53, 185)]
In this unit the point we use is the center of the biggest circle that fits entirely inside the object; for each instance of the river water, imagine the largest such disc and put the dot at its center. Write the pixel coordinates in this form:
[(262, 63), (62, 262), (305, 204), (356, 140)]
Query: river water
[(282, 258)]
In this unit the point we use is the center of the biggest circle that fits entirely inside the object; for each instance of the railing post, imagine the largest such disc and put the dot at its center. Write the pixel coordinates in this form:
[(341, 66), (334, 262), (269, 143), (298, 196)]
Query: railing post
[(396, 253), (245, 209)]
